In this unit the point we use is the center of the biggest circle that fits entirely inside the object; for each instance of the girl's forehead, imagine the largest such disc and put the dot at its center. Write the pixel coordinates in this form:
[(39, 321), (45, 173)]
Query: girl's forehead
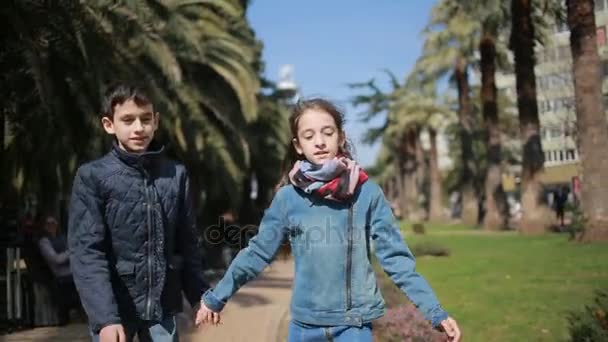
[(314, 118)]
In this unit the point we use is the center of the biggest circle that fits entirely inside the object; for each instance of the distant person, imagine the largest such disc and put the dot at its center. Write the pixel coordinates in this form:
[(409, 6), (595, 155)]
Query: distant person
[(456, 204), (53, 248), (560, 200), (324, 192)]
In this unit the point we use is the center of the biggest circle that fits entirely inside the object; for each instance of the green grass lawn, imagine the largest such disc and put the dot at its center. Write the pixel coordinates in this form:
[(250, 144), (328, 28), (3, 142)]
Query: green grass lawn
[(508, 287)]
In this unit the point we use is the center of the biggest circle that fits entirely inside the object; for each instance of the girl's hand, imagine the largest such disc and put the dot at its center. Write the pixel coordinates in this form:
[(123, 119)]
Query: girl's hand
[(206, 315), (451, 328)]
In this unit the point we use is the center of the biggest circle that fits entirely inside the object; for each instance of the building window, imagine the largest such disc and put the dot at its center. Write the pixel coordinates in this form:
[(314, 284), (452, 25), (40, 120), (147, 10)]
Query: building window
[(542, 82), (563, 53), (558, 104), (569, 103), (561, 155), (553, 81), (541, 109), (599, 5), (605, 68), (558, 54), (601, 35), (570, 154), (549, 55)]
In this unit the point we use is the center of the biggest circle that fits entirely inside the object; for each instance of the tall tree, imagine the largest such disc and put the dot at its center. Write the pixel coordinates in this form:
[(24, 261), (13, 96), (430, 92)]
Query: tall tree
[(199, 59), (590, 118), (411, 108), (522, 45), (449, 50), (493, 15), (420, 108), (496, 214)]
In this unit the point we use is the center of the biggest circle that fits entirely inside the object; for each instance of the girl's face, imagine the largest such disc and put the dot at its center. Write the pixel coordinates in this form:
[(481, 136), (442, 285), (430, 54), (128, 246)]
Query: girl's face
[(318, 137)]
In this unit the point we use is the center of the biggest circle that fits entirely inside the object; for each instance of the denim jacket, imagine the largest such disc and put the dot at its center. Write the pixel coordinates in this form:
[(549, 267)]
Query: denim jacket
[(331, 242)]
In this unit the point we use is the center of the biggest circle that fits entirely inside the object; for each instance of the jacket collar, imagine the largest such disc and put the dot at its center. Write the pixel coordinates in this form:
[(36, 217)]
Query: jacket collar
[(138, 160)]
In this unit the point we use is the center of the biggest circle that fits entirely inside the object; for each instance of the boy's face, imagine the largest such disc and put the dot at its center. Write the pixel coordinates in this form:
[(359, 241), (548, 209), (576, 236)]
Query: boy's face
[(133, 125)]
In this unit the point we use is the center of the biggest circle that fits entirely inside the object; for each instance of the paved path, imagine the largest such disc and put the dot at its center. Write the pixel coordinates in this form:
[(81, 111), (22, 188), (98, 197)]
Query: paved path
[(258, 312)]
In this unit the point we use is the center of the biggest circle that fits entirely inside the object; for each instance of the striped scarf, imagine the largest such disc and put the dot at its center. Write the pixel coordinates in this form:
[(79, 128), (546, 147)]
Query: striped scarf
[(336, 179)]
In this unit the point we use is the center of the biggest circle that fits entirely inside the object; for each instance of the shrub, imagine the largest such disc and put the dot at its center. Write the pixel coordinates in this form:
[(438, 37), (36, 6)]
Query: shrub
[(430, 248), (592, 323), (418, 228), (578, 222), (406, 323)]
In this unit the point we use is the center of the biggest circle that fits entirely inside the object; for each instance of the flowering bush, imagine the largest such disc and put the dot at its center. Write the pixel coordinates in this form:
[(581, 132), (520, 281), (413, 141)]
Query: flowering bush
[(406, 324)]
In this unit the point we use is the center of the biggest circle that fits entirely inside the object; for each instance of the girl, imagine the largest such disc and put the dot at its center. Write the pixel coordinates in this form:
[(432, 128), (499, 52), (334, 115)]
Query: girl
[(331, 214)]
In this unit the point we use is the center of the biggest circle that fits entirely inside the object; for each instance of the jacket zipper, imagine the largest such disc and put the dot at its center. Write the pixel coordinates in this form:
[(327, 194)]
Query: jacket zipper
[(349, 258), (149, 226)]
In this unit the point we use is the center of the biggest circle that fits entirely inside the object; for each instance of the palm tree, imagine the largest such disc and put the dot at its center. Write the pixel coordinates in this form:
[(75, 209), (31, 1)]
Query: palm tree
[(421, 109), (199, 59), (449, 50), (495, 199), (268, 137), (590, 118), (401, 142), (493, 17), (522, 45), (411, 108)]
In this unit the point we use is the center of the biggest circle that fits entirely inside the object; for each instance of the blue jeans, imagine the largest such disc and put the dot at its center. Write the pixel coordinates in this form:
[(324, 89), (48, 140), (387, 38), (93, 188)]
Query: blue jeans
[(300, 332), (149, 331)]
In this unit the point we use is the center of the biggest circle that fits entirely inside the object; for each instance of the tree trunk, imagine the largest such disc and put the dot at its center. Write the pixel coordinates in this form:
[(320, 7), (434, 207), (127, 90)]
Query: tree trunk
[(590, 118), (495, 199), (435, 207), (407, 157), (402, 185), (392, 191), (469, 201), (522, 44), (2, 130), (401, 191), (411, 166), (421, 173)]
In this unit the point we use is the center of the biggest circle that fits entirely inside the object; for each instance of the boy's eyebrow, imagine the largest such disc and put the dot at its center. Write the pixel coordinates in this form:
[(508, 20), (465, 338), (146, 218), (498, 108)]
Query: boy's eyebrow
[(136, 114)]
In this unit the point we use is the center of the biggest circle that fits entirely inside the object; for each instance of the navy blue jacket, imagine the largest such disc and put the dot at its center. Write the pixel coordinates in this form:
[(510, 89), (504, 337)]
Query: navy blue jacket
[(132, 238)]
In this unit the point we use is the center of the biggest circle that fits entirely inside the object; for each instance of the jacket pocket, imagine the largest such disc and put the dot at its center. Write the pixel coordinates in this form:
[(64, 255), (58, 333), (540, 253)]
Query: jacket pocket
[(125, 268), (126, 289), (172, 291)]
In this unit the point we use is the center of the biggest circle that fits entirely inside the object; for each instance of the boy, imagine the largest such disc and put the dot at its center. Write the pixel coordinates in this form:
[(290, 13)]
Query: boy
[(132, 234)]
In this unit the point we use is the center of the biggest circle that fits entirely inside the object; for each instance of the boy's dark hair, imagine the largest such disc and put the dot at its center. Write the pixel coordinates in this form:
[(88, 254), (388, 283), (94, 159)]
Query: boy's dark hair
[(118, 94)]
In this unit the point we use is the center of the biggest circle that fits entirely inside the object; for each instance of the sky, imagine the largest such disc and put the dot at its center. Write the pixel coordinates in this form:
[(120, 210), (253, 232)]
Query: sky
[(332, 43)]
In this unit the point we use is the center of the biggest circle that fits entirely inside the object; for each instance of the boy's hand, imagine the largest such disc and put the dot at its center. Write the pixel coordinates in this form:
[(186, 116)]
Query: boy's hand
[(451, 328), (112, 333), (206, 315)]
